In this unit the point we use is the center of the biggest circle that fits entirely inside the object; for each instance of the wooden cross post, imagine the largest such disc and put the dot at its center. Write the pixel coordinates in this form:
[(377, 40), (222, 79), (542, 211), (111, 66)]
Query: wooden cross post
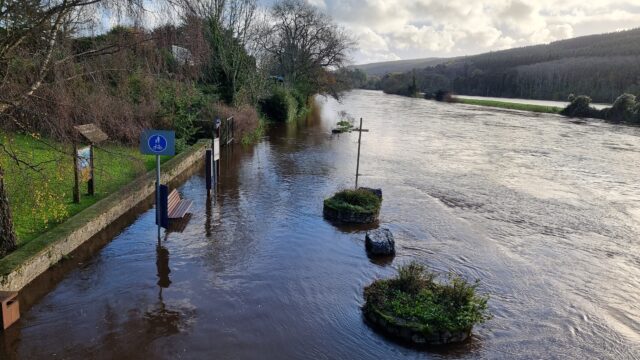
[(360, 130)]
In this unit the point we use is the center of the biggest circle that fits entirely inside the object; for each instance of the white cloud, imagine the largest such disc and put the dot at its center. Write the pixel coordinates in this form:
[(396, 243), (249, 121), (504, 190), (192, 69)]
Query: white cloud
[(424, 28)]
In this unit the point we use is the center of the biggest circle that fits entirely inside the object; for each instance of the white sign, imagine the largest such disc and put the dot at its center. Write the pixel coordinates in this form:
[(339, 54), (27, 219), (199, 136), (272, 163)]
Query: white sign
[(216, 149)]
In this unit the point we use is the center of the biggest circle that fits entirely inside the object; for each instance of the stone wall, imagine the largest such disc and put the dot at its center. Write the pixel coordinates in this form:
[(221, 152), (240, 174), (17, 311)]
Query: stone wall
[(18, 269)]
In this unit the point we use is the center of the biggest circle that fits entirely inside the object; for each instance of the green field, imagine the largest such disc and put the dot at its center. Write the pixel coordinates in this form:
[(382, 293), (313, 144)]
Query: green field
[(510, 105), (42, 199)]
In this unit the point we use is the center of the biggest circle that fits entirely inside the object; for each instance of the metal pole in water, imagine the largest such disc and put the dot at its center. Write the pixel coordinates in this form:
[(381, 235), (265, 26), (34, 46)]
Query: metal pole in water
[(158, 194), (358, 161)]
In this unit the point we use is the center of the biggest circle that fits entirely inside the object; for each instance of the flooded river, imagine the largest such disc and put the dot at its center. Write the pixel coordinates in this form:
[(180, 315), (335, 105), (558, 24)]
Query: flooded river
[(546, 212)]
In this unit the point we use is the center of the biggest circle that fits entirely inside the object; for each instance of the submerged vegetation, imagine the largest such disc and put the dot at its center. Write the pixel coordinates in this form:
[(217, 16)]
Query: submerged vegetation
[(415, 306)]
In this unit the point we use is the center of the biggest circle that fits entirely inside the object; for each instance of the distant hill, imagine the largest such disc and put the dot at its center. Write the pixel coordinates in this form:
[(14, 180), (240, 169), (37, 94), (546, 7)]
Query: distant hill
[(602, 66), (386, 67)]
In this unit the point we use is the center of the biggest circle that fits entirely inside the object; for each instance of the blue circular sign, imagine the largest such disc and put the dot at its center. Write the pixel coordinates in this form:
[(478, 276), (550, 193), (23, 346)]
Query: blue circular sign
[(157, 143)]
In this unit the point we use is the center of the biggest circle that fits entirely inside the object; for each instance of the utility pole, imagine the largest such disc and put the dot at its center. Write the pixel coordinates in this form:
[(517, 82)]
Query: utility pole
[(359, 130)]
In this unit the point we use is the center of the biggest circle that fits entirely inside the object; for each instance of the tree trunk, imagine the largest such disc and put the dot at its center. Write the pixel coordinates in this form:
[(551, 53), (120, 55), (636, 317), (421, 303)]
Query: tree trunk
[(7, 234)]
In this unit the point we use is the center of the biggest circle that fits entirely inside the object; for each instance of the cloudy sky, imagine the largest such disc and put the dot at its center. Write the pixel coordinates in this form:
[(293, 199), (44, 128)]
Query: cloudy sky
[(406, 29)]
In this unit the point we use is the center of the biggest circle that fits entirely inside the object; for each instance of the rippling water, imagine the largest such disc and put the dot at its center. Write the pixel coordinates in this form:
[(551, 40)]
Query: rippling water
[(546, 212)]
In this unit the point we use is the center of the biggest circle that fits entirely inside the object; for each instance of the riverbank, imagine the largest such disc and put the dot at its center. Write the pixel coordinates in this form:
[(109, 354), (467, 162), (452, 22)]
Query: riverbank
[(34, 257), (510, 105)]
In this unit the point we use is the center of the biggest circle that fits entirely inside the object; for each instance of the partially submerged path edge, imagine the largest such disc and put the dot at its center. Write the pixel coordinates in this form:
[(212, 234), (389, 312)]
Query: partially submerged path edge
[(34, 258)]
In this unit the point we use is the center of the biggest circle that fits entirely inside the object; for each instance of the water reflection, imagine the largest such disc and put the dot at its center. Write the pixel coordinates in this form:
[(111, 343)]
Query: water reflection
[(162, 265), (161, 320)]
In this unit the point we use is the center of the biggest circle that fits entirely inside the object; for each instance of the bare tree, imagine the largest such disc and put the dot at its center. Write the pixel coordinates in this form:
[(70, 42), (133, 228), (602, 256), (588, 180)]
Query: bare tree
[(304, 42)]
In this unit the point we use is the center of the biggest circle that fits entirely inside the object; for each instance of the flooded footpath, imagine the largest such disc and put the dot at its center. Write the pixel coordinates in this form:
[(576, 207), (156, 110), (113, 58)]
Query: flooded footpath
[(545, 211)]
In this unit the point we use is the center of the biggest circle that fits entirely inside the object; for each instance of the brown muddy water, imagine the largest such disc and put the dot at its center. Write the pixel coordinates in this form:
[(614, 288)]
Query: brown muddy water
[(545, 211)]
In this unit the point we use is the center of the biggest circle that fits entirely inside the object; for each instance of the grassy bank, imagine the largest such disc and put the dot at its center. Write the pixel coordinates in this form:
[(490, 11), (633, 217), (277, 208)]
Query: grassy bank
[(42, 199), (510, 105)]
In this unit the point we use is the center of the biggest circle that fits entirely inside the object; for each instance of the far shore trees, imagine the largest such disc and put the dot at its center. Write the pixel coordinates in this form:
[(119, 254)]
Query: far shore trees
[(303, 44)]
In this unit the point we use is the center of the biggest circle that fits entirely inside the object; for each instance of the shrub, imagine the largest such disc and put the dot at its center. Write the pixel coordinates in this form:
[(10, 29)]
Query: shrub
[(579, 107), (622, 108), (248, 127), (280, 106), (414, 298), (181, 106), (636, 114)]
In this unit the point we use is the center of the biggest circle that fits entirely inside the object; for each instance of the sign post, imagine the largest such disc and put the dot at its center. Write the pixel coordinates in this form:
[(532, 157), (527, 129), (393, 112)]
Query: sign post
[(158, 142)]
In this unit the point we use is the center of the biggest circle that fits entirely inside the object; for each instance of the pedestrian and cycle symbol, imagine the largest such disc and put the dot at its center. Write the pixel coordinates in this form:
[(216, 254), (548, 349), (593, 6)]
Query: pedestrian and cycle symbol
[(158, 142)]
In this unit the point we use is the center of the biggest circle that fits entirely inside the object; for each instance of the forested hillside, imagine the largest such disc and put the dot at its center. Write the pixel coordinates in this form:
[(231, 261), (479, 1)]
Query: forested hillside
[(601, 66), (387, 67)]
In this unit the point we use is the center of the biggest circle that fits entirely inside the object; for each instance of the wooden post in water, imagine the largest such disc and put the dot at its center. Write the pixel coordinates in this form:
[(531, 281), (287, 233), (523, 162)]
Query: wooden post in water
[(359, 130)]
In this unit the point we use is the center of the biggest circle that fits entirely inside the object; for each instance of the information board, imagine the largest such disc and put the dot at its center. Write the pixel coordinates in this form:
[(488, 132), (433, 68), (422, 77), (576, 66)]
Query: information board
[(84, 163)]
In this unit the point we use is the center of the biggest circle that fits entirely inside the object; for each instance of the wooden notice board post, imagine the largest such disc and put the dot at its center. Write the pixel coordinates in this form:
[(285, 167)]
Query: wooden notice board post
[(84, 159)]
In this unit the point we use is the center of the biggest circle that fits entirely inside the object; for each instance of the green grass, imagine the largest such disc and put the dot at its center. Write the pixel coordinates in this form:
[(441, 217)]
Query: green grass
[(415, 297), (42, 199), (510, 105), (358, 201)]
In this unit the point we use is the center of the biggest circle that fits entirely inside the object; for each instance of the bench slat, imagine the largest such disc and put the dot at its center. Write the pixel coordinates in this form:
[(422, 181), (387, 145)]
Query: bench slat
[(172, 203), (181, 209), (173, 200)]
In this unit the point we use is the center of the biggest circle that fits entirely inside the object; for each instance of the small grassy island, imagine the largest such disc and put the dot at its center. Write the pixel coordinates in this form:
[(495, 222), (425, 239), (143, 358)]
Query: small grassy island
[(353, 206), (343, 127), (414, 307)]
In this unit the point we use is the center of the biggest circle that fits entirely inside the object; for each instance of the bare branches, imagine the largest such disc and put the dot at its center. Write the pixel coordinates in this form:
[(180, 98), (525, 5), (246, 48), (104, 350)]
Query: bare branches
[(20, 162), (304, 40), (37, 25)]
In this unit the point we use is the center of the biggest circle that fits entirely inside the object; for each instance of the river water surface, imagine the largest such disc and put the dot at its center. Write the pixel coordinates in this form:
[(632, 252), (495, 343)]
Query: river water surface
[(545, 211)]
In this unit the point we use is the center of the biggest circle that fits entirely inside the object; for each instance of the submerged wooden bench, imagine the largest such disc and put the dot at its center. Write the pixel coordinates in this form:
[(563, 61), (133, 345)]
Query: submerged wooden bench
[(177, 207)]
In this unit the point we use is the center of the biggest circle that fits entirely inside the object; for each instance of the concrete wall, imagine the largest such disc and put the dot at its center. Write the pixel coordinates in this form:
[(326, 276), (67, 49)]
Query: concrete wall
[(18, 269)]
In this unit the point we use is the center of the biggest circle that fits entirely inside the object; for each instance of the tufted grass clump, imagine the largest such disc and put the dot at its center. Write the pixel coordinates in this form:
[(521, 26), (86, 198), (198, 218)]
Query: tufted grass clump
[(358, 201), (414, 299)]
